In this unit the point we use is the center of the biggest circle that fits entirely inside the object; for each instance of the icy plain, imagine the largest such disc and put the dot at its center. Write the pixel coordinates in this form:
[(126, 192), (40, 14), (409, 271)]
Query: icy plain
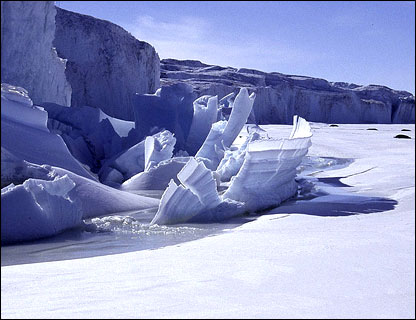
[(344, 248)]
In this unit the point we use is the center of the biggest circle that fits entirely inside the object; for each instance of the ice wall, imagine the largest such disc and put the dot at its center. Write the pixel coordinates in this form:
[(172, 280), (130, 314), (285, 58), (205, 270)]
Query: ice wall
[(28, 58), (280, 96), (106, 64)]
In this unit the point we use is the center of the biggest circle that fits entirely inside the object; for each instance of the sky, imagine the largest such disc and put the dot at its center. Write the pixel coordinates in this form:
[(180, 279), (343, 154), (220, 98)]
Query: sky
[(362, 42)]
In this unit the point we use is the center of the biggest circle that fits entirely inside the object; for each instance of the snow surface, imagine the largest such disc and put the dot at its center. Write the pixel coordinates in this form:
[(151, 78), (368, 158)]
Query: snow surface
[(349, 252)]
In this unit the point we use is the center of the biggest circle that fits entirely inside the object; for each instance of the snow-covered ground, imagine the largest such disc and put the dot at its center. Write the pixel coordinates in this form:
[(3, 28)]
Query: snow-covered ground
[(344, 249)]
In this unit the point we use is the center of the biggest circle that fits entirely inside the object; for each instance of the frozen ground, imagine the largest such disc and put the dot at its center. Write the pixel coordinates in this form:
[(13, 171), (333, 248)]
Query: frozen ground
[(345, 248)]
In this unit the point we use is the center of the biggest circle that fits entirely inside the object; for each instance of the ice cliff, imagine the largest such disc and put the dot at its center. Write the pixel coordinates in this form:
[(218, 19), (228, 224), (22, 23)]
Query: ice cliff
[(280, 96), (106, 64), (28, 58)]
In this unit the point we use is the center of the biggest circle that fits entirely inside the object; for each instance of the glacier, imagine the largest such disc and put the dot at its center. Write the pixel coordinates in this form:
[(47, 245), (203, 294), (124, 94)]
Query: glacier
[(29, 58), (280, 96), (106, 65), (65, 166)]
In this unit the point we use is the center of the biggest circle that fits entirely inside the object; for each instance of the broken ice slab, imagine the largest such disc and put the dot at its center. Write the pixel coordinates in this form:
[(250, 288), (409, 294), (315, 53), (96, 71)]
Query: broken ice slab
[(38, 208)]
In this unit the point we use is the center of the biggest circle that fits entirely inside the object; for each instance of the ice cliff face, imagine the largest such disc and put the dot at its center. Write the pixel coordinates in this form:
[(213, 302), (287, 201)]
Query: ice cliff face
[(279, 96), (106, 64), (28, 58)]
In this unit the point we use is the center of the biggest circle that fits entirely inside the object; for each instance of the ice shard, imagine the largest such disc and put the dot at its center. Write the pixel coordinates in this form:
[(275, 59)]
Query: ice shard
[(205, 114), (233, 159), (223, 133), (240, 112)]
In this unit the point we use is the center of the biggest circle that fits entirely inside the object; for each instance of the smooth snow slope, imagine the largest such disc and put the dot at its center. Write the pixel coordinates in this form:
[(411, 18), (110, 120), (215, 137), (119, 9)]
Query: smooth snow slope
[(346, 255)]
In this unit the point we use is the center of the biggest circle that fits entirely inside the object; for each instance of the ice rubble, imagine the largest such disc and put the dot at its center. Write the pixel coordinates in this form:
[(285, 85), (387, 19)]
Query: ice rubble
[(90, 134), (223, 133), (259, 174), (265, 179), (41, 164)]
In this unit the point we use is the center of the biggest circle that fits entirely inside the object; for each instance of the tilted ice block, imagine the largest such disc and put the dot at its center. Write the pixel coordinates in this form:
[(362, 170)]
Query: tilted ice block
[(205, 114), (37, 209), (178, 204), (198, 192), (132, 161), (158, 177), (16, 171), (25, 135), (17, 94), (267, 176), (225, 210), (17, 106), (241, 110), (212, 151), (233, 160), (158, 148), (197, 178), (92, 136), (223, 133), (97, 199)]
